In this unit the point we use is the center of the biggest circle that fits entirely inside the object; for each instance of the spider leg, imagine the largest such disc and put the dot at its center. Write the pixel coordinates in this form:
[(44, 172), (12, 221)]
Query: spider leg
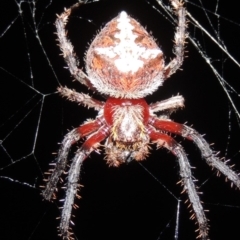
[(71, 138), (90, 145), (201, 143), (163, 140), (72, 187), (171, 103), (179, 39), (67, 48), (81, 98), (211, 157)]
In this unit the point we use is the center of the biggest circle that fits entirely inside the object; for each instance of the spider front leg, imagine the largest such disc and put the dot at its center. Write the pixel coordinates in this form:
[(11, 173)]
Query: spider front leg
[(203, 146), (71, 138), (91, 144), (163, 140), (211, 157), (72, 187)]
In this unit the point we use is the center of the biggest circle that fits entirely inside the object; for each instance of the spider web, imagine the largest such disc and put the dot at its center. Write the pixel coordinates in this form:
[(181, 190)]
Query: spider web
[(134, 201)]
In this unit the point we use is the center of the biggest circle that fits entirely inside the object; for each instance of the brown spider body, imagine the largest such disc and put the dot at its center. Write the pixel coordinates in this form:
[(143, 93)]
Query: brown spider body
[(125, 64), (124, 60)]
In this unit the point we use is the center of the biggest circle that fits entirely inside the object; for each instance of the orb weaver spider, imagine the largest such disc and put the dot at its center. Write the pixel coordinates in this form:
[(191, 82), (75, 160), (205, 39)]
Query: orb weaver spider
[(125, 64)]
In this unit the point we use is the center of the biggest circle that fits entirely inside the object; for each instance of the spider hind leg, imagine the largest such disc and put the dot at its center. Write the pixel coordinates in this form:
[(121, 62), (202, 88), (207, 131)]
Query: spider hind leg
[(179, 39), (67, 48), (71, 138)]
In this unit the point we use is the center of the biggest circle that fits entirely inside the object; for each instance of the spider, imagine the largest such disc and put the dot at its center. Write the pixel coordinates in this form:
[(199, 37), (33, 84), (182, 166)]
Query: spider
[(124, 64)]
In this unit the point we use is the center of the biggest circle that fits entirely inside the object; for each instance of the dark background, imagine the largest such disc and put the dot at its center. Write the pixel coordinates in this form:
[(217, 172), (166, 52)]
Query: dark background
[(117, 203)]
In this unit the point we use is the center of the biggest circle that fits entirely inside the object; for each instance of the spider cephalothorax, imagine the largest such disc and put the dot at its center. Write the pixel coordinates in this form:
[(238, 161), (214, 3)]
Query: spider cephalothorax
[(128, 136), (125, 64)]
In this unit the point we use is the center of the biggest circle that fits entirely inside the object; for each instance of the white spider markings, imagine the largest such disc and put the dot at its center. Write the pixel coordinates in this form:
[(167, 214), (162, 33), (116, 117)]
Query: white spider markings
[(127, 52)]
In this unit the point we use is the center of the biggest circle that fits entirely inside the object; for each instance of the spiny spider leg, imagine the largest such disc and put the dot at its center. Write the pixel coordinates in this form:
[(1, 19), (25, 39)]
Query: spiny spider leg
[(81, 98), (72, 188), (179, 39), (88, 146), (71, 138), (211, 157), (163, 140), (201, 143), (67, 48), (168, 104), (60, 165)]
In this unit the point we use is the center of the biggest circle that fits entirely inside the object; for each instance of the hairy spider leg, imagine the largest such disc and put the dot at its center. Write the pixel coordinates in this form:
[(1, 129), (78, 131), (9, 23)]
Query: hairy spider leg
[(207, 153), (163, 140), (169, 104), (179, 39), (73, 177), (81, 98), (210, 157), (67, 48), (71, 138)]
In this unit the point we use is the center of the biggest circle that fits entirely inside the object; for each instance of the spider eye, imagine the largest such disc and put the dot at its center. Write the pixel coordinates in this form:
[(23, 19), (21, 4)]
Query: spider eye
[(124, 60)]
